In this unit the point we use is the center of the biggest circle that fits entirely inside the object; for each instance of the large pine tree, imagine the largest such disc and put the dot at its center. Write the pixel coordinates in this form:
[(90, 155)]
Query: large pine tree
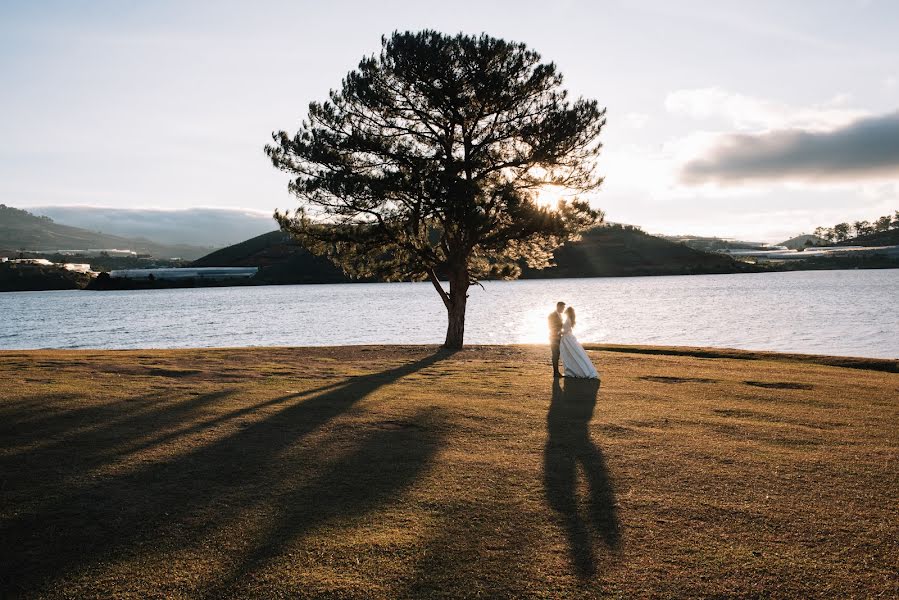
[(428, 162)]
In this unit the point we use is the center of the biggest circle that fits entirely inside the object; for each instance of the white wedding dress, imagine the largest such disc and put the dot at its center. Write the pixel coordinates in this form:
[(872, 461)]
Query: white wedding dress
[(573, 355)]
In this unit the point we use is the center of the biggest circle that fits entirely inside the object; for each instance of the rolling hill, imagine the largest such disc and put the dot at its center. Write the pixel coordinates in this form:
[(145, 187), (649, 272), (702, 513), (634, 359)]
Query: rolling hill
[(21, 230), (622, 251), (609, 251), (804, 241), (279, 258)]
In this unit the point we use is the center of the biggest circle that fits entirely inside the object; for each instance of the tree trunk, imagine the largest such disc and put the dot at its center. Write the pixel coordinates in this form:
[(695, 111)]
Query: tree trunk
[(455, 310)]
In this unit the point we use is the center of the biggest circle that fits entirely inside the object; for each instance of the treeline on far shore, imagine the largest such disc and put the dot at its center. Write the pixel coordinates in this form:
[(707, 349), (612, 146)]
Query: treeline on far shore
[(842, 232)]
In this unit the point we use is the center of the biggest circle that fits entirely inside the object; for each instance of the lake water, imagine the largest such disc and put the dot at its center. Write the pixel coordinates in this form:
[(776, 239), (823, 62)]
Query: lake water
[(851, 313)]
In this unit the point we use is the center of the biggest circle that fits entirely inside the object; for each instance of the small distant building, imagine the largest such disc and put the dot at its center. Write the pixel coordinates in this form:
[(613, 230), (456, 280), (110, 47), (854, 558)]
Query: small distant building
[(171, 273), (4, 259), (110, 252), (77, 267), (92, 252), (34, 263)]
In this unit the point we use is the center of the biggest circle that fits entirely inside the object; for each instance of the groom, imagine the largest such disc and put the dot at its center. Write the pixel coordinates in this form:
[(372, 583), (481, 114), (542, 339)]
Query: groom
[(555, 335)]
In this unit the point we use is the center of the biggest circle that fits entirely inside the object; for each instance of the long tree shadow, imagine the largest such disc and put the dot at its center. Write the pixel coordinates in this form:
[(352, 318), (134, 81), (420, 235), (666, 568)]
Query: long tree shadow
[(383, 464), (569, 445), (175, 502), (68, 444), (481, 547)]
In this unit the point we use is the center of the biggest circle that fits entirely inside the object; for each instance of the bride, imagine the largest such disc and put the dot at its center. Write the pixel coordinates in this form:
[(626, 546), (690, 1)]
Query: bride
[(574, 357)]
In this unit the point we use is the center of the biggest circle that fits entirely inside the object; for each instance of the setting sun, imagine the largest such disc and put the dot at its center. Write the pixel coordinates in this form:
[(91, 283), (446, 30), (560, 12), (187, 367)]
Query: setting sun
[(549, 195)]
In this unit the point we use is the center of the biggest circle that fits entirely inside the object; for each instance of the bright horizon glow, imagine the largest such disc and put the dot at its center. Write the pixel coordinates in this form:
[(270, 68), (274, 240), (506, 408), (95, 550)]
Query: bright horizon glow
[(168, 104)]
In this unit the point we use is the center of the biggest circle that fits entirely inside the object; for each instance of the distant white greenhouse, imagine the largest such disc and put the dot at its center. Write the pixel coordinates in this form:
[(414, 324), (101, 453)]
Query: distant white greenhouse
[(78, 267), (90, 252), (187, 273), (816, 252)]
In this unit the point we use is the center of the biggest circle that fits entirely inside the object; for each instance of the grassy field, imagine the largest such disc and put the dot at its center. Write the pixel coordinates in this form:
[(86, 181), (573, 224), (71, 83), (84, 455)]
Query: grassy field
[(382, 472)]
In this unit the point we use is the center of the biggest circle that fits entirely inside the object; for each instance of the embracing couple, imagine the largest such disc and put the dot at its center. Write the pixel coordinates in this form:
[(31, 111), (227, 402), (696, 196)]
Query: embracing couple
[(565, 346)]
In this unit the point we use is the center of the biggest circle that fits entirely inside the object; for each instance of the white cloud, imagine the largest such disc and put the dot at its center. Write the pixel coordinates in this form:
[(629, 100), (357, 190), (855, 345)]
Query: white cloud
[(636, 120), (891, 82), (745, 112)]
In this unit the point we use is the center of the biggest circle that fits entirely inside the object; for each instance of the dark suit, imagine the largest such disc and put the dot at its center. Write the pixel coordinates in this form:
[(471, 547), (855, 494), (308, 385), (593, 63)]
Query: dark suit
[(555, 335)]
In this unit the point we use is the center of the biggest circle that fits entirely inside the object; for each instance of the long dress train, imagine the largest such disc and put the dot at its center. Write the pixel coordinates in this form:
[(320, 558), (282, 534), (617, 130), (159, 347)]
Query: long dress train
[(574, 357)]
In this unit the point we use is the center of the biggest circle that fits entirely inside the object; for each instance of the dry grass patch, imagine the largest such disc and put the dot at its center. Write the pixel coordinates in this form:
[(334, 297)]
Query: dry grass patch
[(383, 472)]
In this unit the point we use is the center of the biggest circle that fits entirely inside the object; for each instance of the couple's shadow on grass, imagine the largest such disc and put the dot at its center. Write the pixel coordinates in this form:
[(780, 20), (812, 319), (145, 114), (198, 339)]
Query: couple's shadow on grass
[(569, 446)]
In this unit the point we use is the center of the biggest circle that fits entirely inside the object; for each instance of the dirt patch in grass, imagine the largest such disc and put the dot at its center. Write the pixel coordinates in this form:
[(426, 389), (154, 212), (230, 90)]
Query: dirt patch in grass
[(736, 413), (661, 379), (781, 385), (407, 472)]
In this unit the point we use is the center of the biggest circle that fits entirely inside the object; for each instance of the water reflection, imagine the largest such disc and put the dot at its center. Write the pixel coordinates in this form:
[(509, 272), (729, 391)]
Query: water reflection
[(824, 312)]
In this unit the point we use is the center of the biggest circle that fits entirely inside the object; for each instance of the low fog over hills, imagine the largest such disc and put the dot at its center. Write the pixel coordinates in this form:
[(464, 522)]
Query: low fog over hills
[(210, 227), (23, 231)]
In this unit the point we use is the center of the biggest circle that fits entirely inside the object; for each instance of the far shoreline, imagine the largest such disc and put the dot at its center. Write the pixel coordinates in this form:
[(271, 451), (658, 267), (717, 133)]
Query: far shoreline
[(142, 285)]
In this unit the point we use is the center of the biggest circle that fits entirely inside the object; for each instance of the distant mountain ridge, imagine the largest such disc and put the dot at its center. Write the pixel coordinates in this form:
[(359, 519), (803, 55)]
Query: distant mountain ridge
[(606, 251), (204, 227), (713, 244), (21, 230)]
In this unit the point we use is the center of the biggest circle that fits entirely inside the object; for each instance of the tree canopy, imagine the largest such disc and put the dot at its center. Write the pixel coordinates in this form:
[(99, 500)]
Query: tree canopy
[(429, 161)]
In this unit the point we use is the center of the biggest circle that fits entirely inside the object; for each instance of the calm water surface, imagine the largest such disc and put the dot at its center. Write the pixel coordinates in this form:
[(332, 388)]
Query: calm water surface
[(852, 313)]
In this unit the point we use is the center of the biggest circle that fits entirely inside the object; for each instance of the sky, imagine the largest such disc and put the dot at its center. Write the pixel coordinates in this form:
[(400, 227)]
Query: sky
[(751, 120)]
